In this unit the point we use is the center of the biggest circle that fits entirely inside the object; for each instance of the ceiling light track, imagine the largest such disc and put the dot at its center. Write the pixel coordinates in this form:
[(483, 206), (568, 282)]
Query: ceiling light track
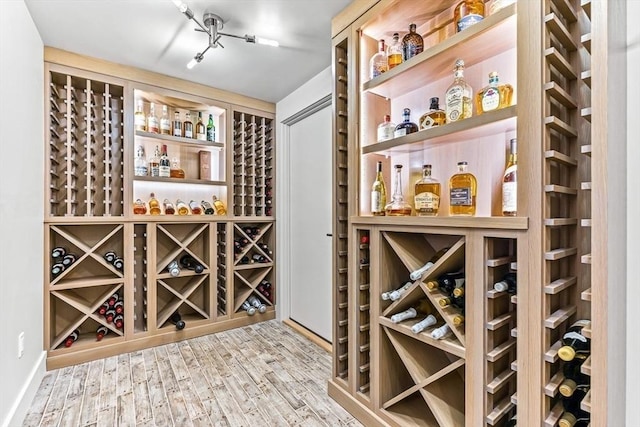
[(212, 24)]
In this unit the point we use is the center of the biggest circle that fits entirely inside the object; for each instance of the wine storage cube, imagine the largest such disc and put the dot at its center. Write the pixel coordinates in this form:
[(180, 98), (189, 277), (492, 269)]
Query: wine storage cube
[(85, 149), (253, 165)]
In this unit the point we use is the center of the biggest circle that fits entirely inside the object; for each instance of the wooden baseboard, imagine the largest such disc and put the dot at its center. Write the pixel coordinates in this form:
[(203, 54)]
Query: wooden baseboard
[(365, 415), (309, 335)]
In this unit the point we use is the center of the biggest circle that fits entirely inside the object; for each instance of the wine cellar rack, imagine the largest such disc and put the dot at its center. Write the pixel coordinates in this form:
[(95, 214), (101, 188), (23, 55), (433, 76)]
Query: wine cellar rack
[(363, 305), (253, 165), (503, 360), (91, 149)]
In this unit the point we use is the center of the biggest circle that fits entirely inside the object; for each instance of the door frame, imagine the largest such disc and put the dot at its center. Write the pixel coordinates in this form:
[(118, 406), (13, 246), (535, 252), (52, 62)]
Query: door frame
[(283, 206)]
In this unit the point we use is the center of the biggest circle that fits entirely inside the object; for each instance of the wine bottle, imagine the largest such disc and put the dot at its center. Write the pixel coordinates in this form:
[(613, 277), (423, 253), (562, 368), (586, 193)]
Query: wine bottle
[(173, 268), (118, 321), (57, 269), (103, 308), (211, 129), (409, 313), (508, 283), (119, 307), (396, 293), (378, 193), (510, 183), (512, 422), (72, 338), (574, 343), (251, 310), (110, 256), (110, 314), (573, 416), (118, 263), (447, 282), (441, 332), (58, 252), (190, 263), (101, 332), (417, 274), (257, 304), (68, 259), (176, 319), (574, 379), (428, 321), (453, 301), (113, 298), (259, 258)]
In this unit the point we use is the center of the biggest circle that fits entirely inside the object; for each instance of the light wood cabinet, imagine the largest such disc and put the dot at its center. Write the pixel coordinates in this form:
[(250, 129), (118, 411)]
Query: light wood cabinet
[(91, 189), (503, 358)]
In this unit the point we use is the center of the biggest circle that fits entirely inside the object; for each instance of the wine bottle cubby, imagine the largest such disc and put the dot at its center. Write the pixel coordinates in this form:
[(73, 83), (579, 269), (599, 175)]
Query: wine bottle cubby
[(253, 165), (128, 280), (554, 258), (363, 317)]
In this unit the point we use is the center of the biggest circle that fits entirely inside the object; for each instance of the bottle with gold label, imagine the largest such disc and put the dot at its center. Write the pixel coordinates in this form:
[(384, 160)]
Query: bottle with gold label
[(468, 13), (394, 52), (494, 96), (427, 194), (462, 192), (378, 62), (154, 205), (398, 207), (434, 117), (457, 102)]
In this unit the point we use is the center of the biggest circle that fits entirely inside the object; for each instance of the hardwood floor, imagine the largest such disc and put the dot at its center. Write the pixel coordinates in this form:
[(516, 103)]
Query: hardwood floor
[(260, 375)]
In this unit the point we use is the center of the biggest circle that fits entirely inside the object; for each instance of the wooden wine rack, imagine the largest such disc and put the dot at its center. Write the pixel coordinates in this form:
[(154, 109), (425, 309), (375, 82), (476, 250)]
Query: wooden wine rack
[(504, 359), (92, 185)]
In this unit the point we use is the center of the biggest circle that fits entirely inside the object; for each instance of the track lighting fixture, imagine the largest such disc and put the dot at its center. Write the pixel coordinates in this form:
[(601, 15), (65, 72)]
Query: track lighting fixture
[(212, 24)]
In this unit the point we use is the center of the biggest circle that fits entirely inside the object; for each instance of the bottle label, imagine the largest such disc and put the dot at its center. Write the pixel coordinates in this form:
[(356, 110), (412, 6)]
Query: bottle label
[(177, 130), (490, 99), (428, 122), (165, 126), (399, 132), (188, 133), (385, 133), (468, 21), (153, 125), (211, 135), (509, 197), (139, 121), (140, 171), (454, 104), (460, 197), (201, 136), (164, 171), (376, 202), (155, 170), (427, 202)]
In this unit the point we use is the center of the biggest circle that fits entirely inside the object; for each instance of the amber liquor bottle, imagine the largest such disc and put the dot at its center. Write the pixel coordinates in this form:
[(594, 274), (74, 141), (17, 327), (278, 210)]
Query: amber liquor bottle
[(468, 13), (412, 43), (510, 183), (154, 205), (394, 52), (187, 126), (462, 192), (434, 117), (152, 120), (176, 124), (201, 130), (427, 194), (493, 96)]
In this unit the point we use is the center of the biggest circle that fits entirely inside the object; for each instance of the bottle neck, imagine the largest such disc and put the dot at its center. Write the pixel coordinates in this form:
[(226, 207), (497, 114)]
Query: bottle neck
[(397, 190), (462, 168), (458, 73), (493, 81), (426, 173)]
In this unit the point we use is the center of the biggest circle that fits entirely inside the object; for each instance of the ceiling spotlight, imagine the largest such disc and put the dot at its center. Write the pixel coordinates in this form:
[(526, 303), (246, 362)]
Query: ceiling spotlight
[(212, 25)]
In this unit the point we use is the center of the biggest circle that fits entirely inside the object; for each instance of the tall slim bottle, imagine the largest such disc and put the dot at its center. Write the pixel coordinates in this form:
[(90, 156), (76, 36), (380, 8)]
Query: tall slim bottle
[(211, 129), (201, 130), (510, 183), (187, 126), (139, 118), (378, 193), (152, 120), (165, 123)]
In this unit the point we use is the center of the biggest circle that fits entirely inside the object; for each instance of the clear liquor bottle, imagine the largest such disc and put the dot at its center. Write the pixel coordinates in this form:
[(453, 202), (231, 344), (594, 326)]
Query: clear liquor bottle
[(165, 123), (140, 163), (457, 103), (407, 126), (398, 207), (468, 13), (187, 126), (164, 168), (176, 124), (139, 118), (462, 192), (427, 194), (211, 129), (378, 62), (386, 129), (152, 120), (494, 96), (378, 193), (201, 130), (154, 163), (394, 52), (412, 43), (510, 183), (434, 117)]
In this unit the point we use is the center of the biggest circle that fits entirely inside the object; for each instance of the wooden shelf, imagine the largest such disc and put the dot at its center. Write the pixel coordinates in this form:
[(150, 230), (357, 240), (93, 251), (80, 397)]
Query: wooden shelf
[(499, 411), (500, 381), (163, 181), (585, 39), (490, 123), (585, 405), (586, 295), (449, 344), (179, 140), (586, 366), (559, 316), (560, 285), (476, 222)]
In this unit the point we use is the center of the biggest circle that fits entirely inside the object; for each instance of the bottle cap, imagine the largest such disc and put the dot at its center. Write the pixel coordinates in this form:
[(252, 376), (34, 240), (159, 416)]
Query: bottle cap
[(443, 302), (412, 27), (426, 166), (493, 74), (459, 63), (567, 420), (387, 118), (501, 286), (406, 111), (462, 163), (567, 387), (458, 292), (434, 102), (432, 284), (458, 319), (566, 353)]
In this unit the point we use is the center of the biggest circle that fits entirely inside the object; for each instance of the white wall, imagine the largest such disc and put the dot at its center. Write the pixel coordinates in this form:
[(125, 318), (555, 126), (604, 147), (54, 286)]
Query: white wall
[(633, 210), (315, 89), (21, 209)]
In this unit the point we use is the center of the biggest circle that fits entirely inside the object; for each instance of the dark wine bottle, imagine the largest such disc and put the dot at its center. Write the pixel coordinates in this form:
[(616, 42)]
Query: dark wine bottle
[(118, 263), (113, 298), (573, 416), (574, 379), (119, 321), (574, 343), (190, 263), (101, 332), (57, 269), (508, 283), (68, 259), (58, 252), (110, 315), (447, 282), (119, 307), (176, 319), (103, 308), (72, 338), (258, 258), (512, 422), (417, 274), (110, 257)]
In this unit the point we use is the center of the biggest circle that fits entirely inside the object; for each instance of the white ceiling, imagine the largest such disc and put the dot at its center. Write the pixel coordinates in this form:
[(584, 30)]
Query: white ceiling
[(154, 35)]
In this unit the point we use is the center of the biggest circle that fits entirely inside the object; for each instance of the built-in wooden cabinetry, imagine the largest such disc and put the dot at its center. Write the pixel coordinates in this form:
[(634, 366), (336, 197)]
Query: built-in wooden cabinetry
[(90, 191), (504, 358)]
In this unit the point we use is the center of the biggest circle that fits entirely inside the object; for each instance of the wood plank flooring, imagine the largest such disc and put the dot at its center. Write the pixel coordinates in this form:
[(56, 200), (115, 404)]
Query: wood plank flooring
[(260, 375)]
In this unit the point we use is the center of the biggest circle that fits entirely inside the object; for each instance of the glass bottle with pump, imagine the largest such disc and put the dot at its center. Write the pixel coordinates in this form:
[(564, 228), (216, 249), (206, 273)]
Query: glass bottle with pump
[(398, 207), (462, 192), (510, 183), (378, 193)]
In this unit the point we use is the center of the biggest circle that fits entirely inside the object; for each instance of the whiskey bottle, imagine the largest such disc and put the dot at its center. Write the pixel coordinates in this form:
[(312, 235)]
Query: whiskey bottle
[(154, 163), (175, 171), (510, 183), (462, 192), (176, 319), (195, 207), (176, 124), (140, 162), (417, 274), (211, 129), (434, 117), (378, 62), (378, 193), (168, 207), (201, 130), (394, 52), (152, 120), (467, 13), (182, 207), (494, 96), (457, 103), (428, 321), (407, 126), (427, 194), (165, 123), (574, 343), (139, 207), (154, 205), (218, 206), (412, 43), (386, 129), (164, 167), (139, 118), (187, 126), (507, 284), (398, 207), (207, 208)]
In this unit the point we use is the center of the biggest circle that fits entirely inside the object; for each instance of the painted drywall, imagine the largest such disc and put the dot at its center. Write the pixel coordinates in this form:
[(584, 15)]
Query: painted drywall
[(633, 210), (21, 209), (314, 90)]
